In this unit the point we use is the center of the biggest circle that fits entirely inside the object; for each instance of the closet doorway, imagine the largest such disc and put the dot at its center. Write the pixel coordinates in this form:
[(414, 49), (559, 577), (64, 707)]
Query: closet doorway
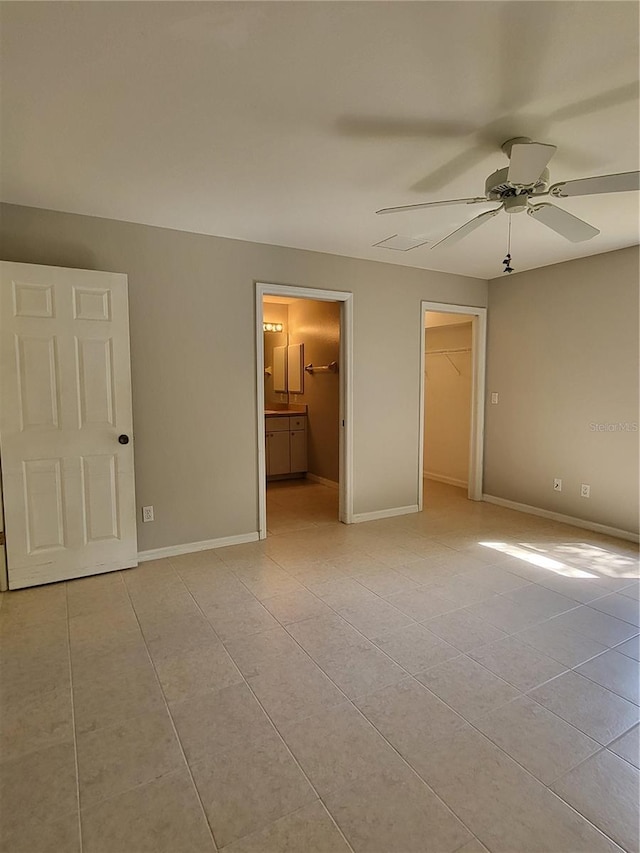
[(303, 364), (451, 400)]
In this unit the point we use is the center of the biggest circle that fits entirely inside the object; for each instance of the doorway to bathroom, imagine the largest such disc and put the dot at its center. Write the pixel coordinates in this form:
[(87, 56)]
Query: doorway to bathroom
[(451, 404), (303, 370)]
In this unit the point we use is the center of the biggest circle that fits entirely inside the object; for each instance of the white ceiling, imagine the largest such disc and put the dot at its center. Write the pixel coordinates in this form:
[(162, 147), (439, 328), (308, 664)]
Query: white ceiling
[(291, 123)]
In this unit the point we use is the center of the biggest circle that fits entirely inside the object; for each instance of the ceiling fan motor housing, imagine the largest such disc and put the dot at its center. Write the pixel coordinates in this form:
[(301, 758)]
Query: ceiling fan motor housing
[(498, 188)]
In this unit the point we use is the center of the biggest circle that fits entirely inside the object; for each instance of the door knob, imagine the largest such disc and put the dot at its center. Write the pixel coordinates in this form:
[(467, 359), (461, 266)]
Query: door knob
[(123, 439)]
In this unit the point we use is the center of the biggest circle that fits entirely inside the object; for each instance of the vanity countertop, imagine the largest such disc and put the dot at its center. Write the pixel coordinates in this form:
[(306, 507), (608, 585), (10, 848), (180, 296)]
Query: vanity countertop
[(282, 413)]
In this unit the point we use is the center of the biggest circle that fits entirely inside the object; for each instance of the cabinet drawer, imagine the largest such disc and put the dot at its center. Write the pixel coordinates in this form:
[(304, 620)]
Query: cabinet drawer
[(276, 424), (297, 423)]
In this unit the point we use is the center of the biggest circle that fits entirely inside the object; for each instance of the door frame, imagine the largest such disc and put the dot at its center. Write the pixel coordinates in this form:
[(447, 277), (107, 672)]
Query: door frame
[(4, 576), (345, 373), (479, 359)]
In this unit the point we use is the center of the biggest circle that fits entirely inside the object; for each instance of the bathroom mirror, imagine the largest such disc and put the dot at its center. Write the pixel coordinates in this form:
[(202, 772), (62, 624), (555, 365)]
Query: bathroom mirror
[(295, 368), (279, 374)]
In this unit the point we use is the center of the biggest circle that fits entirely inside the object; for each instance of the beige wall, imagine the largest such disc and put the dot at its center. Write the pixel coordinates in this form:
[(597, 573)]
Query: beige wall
[(447, 409), (192, 302), (563, 354), (317, 326)]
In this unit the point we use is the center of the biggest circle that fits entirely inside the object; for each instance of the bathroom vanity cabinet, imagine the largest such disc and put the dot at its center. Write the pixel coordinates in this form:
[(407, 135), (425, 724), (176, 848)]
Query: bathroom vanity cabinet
[(286, 444)]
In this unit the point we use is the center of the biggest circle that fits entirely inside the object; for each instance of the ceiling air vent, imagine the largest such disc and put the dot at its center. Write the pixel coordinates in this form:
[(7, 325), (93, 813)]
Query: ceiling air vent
[(401, 243)]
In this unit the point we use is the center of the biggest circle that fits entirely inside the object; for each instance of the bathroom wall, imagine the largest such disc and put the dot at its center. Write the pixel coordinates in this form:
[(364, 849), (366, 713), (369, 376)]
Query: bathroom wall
[(447, 414), (317, 326)]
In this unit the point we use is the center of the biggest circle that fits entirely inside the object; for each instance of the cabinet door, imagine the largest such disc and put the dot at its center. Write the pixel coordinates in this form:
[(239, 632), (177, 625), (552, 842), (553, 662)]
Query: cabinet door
[(278, 452), (298, 439)]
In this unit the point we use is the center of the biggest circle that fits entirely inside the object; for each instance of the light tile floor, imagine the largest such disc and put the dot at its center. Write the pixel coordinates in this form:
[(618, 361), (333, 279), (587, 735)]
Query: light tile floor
[(465, 679)]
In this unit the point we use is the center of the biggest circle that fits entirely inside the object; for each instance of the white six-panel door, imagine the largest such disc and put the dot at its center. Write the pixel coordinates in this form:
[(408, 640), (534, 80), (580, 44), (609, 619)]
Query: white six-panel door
[(65, 400)]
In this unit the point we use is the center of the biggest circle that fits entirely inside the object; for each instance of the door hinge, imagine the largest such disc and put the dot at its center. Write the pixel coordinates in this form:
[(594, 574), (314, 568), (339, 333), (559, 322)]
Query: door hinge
[(1, 537)]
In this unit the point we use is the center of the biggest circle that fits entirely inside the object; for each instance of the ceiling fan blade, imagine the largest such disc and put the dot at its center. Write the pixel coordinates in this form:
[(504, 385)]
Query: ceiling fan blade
[(563, 223), (527, 162), (404, 207), (621, 183), (467, 228)]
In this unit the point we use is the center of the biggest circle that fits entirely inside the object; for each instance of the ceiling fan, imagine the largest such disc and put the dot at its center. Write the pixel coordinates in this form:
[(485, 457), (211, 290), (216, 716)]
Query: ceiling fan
[(518, 187)]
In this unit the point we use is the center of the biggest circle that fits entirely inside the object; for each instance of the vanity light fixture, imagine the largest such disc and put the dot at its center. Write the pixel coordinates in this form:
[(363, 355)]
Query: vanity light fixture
[(272, 327)]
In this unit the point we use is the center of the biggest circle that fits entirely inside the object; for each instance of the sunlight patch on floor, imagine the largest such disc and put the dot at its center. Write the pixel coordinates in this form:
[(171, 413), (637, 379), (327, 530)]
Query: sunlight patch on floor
[(538, 560)]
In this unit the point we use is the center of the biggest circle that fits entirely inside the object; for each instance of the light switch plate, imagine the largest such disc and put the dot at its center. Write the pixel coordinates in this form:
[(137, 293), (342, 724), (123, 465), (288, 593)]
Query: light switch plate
[(494, 398)]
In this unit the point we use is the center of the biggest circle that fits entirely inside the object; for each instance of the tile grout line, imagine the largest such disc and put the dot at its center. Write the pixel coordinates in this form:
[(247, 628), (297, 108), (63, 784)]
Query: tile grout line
[(466, 609), (173, 726), (600, 749), (246, 682), (413, 677), (358, 711), (73, 715), (461, 653), (593, 681), (504, 595), (391, 568), (119, 722), (228, 567), (604, 746)]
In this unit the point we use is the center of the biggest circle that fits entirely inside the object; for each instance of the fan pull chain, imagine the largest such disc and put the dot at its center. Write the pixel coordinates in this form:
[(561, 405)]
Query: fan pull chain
[(507, 260)]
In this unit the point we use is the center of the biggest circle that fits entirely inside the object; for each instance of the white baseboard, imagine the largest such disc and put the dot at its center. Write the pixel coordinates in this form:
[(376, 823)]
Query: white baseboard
[(565, 519), (442, 478), (357, 517), (316, 478), (191, 547)]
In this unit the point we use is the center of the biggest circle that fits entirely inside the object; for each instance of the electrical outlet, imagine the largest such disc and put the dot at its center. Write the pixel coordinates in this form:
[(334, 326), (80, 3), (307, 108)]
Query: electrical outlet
[(557, 484), (147, 513), (585, 490), (494, 398)]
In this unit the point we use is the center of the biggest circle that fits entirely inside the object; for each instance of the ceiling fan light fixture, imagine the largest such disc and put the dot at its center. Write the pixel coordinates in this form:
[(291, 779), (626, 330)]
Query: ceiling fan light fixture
[(516, 203)]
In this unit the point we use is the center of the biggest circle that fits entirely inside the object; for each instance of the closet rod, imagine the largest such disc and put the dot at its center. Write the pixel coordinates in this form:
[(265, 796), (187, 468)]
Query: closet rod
[(446, 351)]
